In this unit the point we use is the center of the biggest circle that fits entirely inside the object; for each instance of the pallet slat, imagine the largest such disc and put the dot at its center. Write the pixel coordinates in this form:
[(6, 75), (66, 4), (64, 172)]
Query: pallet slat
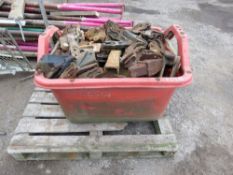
[(43, 110), (41, 89), (23, 143), (43, 97), (33, 125)]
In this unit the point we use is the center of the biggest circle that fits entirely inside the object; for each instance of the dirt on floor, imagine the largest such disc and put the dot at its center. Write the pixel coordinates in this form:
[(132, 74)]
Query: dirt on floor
[(201, 114)]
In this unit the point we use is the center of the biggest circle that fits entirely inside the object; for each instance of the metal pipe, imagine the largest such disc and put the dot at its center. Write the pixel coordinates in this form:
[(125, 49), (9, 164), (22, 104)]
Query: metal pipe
[(26, 53), (84, 8), (27, 33), (36, 23), (104, 5), (27, 9), (27, 43), (92, 24), (54, 6), (33, 7), (28, 38), (39, 16), (104, 20), (23, 48)]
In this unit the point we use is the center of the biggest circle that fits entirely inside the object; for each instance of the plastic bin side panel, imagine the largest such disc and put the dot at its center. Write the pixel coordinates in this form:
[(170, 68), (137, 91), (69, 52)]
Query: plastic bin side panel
[(113, 104)]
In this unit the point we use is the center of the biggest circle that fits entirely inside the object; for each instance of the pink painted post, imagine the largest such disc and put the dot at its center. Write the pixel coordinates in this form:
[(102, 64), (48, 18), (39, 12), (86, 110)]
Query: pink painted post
[(67, 7), (104, 5), (128, 23)]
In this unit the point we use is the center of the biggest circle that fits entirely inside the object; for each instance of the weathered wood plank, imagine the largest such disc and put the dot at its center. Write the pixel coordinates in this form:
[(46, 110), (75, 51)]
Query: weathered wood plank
[(23, 143), (33, 125), (41, 89), (83, 156), (42, 110), (42, 97)]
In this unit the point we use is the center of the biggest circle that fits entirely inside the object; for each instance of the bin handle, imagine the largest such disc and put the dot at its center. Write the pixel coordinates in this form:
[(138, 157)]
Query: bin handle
[(182, 41), (44, 40)]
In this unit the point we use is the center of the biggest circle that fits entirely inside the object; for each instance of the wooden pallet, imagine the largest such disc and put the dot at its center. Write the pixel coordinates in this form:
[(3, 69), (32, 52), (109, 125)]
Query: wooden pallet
[(45, 134)]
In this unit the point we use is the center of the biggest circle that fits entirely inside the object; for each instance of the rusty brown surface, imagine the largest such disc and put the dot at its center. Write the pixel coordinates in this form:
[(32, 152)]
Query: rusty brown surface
[(95, 34), (70, 72), (141, 27), (138, 70)]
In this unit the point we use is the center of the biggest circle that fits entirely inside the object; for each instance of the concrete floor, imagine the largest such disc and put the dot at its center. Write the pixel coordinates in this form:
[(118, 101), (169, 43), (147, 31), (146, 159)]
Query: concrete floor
[(201, 114)]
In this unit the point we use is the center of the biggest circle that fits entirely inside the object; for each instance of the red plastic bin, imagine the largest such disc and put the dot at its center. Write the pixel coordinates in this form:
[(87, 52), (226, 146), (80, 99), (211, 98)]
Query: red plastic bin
[(116, 99)]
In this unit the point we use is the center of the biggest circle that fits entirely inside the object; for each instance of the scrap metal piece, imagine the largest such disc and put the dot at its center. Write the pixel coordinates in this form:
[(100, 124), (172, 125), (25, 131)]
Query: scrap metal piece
[(113, 62), (131, 53), (147, 35), (55, 48), (153, 66), (148, 68), (169, 59), (147, 55), (92, 73), (116, 32), (96, 34), (86, 58), (134, 48), (156, 47), (102, 58), (156, 35), (52, 66), (141, 27), (115, 44), (74, 35), (87, 68), (138, 70), (95, 47), (70, 72), (63, 40), (175, 67), (132, 37), (113, 31)]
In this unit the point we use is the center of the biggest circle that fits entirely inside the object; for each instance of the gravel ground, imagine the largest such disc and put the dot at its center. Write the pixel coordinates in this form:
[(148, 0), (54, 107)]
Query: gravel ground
[(201, 114)]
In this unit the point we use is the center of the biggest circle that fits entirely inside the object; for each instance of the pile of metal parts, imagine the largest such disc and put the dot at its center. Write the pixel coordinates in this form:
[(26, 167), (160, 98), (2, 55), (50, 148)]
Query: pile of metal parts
[(110, 51), (26, 20)]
